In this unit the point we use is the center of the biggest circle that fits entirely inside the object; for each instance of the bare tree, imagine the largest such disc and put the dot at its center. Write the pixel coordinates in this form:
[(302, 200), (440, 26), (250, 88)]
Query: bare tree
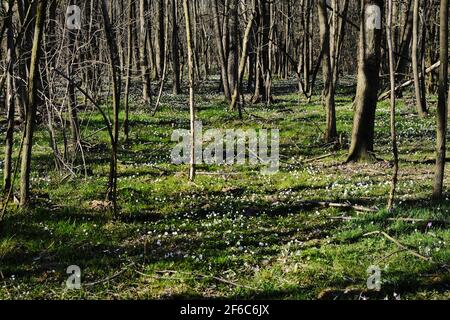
[(130, 35), (32, 104), (9, 102), (368, 81), (116, 86), (393, 106), (187, 16), (442, 107), (327, 72), (144, 55), (420, 102), (175, 49)]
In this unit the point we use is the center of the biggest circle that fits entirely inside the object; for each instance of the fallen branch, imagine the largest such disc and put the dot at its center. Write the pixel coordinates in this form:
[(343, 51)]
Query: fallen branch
[(319, 158), (116, 275), (413, 220), (204, 173), (198, 275), (409, 82), (390, 255), (347, 206), (399, 244)]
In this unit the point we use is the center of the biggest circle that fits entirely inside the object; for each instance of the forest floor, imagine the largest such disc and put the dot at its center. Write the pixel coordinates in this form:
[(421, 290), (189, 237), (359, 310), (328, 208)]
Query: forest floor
[(237, 234)]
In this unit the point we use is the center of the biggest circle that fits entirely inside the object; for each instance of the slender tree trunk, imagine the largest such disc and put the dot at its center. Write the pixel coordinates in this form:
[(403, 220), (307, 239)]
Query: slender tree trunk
[(421, 108), (442, 106), (242, 63), (423, 51), (233, 54), (117, 85), (131, 24), (32, 102), (71, 71), (339, 40), (187, 16), (160, 50), (10, 105), (175, 50), (403, 61), (393, 107), (143, 36), (220, 50), (327, 72)]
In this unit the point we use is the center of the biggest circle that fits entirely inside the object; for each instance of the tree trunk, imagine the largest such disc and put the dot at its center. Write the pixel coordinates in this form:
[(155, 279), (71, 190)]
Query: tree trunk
[(10, 105), (403, 61), (131, 26), (175, 50), (220, 50), (31, 106), (421, 108), (393, 107), (442, 106), (143, 36), (327, 72), (160, 50), (233, 54), (242, 63), (368, 81), (71, 71), (187, 16), (117, 85)]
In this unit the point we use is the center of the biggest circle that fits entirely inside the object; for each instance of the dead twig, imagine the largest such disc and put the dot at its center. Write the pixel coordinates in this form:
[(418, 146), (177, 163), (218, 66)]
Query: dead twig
[(347, 206), (198, 275), (116, 275), (204, 173), (399, 244), (413, 220), (319, 158)]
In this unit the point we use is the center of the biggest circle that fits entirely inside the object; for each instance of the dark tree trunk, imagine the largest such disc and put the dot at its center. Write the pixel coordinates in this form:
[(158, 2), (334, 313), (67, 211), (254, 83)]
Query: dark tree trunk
[(442, 106)]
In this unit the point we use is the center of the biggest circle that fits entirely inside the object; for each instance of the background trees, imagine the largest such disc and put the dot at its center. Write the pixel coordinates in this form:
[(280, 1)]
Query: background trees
[(256, 42)]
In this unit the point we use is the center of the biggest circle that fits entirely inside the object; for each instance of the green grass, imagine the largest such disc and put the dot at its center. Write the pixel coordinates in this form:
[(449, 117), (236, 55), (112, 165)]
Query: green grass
[(241, 235)]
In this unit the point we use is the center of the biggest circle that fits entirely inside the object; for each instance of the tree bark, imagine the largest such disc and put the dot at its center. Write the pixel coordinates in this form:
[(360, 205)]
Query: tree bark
[(143, 36), (242, 63), (160, 34), (368, 85), (421, 108), (393, 108), (187, 16), (10, 96), (442, 107), (221, 50), (71, 71), (233, 54), (117, 85), (30, 121), (131, 25), (327, 72), (175, 50)]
